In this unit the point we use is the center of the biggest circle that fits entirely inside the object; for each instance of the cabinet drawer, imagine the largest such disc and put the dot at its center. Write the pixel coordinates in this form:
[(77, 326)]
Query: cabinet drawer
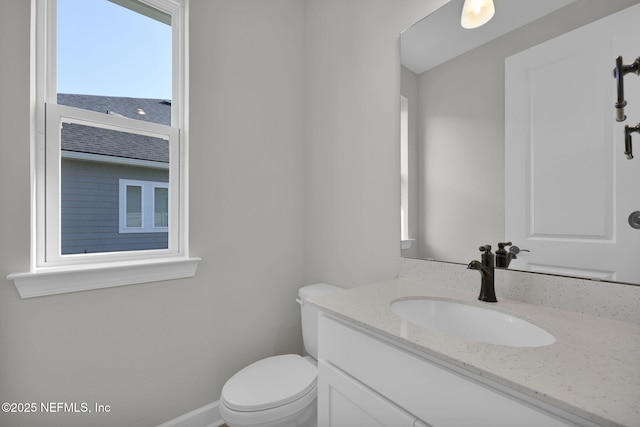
[(430, 392)]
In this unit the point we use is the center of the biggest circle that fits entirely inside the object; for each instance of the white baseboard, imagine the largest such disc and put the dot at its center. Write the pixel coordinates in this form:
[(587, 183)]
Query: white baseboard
[(206, 416)]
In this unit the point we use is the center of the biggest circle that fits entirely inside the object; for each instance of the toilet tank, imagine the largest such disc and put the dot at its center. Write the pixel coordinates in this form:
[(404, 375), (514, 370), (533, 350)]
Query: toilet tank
[(310, 314)]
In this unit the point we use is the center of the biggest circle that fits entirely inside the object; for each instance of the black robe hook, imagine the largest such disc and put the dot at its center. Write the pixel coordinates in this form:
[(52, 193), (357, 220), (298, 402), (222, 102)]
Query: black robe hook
[(619, 73), (628, 130)]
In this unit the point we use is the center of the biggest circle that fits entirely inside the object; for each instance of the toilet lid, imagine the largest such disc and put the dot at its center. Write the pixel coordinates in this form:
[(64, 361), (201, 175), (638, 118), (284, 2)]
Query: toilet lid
[(269, 383)]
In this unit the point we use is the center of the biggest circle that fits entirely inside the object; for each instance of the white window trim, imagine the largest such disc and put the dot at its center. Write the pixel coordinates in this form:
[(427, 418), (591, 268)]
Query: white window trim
[(96, 271), (148, 206)]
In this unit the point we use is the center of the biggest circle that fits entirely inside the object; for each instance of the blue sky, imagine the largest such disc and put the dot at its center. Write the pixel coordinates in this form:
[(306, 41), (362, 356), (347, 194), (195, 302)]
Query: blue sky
[(105, 49)]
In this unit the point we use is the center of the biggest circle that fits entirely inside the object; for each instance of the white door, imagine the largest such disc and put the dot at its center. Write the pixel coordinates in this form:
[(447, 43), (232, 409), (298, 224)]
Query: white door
[(569, 187)]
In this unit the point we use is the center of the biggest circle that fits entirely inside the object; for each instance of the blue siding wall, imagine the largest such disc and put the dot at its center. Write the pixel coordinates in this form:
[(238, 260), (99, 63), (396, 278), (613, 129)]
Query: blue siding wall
[(90, 208)]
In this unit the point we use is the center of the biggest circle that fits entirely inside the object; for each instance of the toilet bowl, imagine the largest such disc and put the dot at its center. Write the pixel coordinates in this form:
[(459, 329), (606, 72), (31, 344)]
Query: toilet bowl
[(278, 391)]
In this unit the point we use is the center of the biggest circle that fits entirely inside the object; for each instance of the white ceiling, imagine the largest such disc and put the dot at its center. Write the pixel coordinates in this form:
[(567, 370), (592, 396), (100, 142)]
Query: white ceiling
[(439, 37)]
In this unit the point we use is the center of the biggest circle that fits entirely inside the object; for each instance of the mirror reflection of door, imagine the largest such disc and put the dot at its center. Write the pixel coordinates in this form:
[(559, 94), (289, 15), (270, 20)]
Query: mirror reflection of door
[(559, 114)]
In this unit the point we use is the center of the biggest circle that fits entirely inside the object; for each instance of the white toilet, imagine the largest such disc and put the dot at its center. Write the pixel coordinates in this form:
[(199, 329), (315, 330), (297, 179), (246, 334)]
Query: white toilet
[(279, 391)]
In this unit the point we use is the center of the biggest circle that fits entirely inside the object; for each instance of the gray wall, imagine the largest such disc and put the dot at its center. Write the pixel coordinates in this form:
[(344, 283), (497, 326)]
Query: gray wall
[(461, 156), (294, 178), (352, 134)]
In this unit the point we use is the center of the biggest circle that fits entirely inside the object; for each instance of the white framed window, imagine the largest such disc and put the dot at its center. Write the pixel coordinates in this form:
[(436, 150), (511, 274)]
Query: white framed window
[(405, 239), (109, 98), (404, 168), (144, 206)]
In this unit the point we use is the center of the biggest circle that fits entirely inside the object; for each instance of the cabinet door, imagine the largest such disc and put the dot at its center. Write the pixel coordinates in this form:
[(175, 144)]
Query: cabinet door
[(345, 402)]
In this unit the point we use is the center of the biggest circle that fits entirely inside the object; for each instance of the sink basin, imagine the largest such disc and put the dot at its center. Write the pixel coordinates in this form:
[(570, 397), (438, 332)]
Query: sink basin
[(472, 323)]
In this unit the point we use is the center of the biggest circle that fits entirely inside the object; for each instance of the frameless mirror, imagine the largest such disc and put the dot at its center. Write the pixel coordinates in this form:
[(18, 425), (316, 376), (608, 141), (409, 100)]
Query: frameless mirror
[(508, 134)]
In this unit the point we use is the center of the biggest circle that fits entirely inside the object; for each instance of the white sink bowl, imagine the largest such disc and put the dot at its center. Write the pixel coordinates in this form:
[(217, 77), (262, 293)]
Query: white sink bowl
[(472, 323)]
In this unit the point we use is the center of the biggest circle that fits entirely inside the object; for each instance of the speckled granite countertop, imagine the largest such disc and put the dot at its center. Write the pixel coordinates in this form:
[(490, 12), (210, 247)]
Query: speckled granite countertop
[(592, 370)]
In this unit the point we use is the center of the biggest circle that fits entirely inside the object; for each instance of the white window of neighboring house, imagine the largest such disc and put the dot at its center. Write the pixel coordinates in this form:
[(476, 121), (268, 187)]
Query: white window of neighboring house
[(160, 206), (144, 206), (109, 96)]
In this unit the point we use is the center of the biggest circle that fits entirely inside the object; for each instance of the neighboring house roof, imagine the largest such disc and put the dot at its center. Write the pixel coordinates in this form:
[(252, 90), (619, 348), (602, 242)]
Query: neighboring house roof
[(156, 110), (97, 141)]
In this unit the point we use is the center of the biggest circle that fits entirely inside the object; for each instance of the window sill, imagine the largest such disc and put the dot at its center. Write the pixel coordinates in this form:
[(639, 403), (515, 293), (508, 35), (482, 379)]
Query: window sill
[(57, 280), (407, 243)]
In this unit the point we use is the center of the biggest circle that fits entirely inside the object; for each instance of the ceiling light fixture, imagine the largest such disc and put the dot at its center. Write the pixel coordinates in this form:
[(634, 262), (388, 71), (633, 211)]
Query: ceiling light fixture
[(476, 13)]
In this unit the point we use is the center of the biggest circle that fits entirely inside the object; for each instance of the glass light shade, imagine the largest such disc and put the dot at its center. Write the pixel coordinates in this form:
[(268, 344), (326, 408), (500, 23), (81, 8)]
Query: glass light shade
[(476, 13)]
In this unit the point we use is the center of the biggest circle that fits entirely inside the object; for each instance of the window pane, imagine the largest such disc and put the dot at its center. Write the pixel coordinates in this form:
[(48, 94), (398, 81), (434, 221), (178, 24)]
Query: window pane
[(107, 52), (161, 211), (93, 163), (134, 206)]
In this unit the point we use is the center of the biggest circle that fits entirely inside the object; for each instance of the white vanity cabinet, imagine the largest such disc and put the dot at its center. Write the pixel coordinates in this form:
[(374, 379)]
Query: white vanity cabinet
[(365, 381)]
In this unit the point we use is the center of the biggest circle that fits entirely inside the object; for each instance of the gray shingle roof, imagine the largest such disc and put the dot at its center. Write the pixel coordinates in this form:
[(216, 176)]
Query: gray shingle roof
[(157, 110), (86, 139)]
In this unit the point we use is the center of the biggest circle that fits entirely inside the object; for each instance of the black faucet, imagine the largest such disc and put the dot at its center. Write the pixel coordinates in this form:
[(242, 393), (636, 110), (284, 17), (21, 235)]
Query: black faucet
[(487, 269), (503, 258)]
